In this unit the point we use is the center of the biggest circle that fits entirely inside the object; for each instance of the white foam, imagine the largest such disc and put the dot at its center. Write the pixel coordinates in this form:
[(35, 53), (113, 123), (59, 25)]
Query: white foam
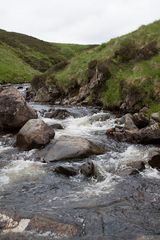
[(19, 169), (151, 173), (82, 126)]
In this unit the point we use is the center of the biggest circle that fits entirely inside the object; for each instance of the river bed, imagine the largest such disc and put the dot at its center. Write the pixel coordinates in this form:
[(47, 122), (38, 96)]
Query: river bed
[(120, 206)]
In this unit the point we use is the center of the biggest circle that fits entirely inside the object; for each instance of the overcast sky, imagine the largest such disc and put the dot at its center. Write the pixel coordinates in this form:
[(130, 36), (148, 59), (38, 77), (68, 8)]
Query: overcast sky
[(77, 21)]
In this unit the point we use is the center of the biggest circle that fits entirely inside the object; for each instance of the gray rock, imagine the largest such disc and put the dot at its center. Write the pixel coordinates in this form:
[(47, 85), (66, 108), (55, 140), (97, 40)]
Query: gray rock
[(56, 126), (99, 117), (88, 169), (67, 147), (45, 224), (154, 162), (129, 123), (156, 116), (147, 135), (59, 114), (141, 120), (67, 171), (14, 111), (34, 134)]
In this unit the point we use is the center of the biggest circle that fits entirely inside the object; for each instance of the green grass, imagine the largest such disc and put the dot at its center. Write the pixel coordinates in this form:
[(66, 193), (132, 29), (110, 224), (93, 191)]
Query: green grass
[(143, 74), (71, 50), (12, 68), (23, 56)]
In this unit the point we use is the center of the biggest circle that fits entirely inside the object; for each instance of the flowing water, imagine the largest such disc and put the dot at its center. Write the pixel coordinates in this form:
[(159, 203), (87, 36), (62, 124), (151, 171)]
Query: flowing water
[(119, 206)]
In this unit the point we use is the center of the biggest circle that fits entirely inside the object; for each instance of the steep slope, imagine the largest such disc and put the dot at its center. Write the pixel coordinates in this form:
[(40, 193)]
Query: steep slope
[(125, 72), (22, 56)]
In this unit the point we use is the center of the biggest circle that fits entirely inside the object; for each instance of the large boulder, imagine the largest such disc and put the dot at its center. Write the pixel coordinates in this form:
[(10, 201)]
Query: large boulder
[(67, 147), (14, 110), (147, 135), (34, 134)]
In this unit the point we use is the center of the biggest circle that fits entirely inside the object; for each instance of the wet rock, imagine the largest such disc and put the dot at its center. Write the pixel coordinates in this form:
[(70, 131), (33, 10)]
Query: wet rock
[(67, 171), (121, 135), (56, 126), (154, 162), (99, 117), (93, 169), (59, 114), (14, 111), (48, 225), (141, 120), (67, 147), (34, 134), (8, 222), (129, 123), (136, 167), (132, 168), (150, 134), (147, 135), (88, 169), (156, 116)]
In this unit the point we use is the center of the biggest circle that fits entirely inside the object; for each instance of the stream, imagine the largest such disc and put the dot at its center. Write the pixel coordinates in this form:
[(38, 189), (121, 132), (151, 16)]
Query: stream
[(120, 206)]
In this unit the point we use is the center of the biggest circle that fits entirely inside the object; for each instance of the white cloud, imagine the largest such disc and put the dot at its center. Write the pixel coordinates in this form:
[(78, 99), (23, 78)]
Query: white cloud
[(80, 21)]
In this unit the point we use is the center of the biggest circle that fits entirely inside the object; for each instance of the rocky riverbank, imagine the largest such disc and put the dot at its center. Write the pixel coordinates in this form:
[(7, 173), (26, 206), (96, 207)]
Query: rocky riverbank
[(62, 177)]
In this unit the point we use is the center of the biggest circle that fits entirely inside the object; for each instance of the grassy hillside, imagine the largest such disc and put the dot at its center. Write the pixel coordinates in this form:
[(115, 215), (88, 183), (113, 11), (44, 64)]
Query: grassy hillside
[(22, 56), (134, 61)]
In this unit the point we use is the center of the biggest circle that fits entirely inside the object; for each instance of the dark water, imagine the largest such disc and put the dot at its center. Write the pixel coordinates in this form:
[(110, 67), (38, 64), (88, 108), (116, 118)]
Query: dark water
[(118, 207)]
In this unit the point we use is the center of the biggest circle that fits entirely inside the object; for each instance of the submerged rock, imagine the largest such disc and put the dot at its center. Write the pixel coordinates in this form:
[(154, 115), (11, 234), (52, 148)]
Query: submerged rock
[(14, 111), (42, 224), (67, 171), (34, 134), (56, 126), (88, 169), (93, 169), (99, 117), (67, 147), (59, 114), (136, 167)]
